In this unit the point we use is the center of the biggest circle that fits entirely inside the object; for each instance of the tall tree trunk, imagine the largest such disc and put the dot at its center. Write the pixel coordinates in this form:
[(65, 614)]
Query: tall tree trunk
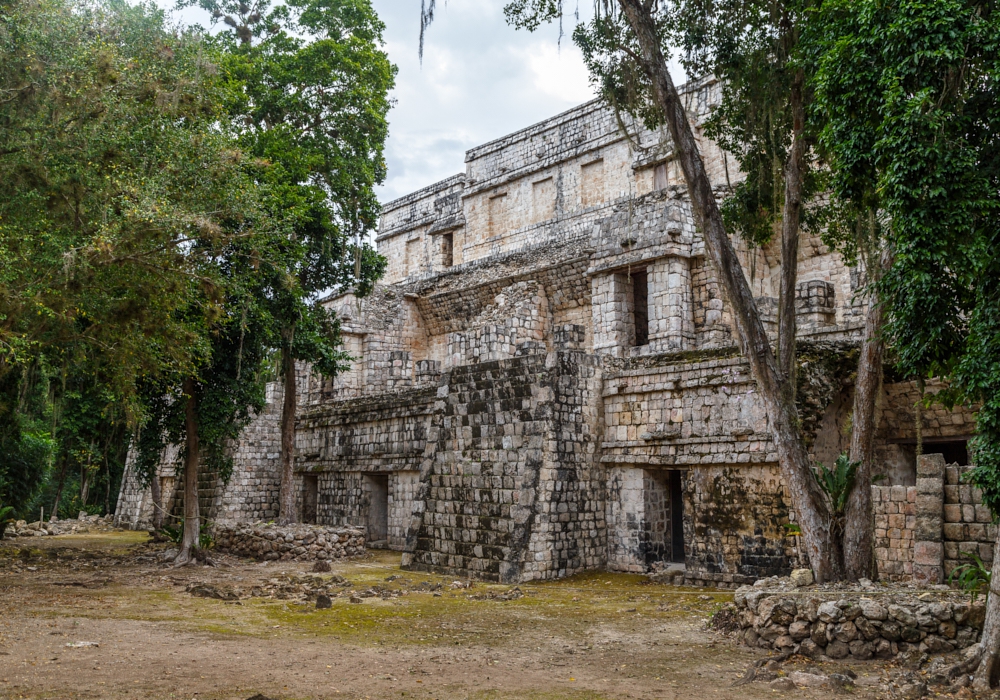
[(790, 223), (59, 489), (859, 559), (776, 391), (286, 498), (192, 517)]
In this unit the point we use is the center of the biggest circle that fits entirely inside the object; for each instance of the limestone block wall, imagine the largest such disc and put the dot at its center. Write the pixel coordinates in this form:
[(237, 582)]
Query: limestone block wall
[(895, 511), (479, 489), (968, 525), (513, 490), (737, 532), (626, 513), (922, 531), (519, 315), (250, 494), (403, 489), (570, 532)]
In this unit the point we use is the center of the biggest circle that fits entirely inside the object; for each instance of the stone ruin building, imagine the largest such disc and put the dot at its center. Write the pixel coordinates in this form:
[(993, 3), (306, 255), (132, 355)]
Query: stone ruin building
[(546, 381)]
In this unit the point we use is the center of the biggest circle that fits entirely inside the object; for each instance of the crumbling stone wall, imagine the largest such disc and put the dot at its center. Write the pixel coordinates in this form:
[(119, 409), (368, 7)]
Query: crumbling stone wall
[(289, 543), (860, 625)]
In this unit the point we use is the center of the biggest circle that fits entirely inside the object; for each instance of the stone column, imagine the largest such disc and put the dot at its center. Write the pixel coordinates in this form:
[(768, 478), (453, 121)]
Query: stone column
[(611, 312), (671, 311), (928, 545)]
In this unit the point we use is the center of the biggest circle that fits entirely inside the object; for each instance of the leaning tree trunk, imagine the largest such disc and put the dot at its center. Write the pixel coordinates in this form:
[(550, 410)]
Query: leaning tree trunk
[(790, 222), (192, 518), (859, 559), (286, 498), (989, 643), (776, 391)]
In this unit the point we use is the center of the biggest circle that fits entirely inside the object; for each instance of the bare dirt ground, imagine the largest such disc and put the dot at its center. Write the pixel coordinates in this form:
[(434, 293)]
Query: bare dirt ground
[(387, 633)]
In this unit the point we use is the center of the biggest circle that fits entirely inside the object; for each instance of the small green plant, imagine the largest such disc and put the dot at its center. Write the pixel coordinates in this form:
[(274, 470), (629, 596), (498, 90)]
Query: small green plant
[(838, 482), (792, 529), (973, 577), (176, 534)]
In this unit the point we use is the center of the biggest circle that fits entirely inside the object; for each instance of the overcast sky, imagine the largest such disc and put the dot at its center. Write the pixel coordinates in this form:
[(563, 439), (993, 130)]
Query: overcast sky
[(480, 80)]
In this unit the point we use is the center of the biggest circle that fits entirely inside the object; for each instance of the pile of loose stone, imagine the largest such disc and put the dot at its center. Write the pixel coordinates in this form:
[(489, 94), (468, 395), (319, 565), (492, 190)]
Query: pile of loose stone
[(83, 523), (271, 542), (838, 621)]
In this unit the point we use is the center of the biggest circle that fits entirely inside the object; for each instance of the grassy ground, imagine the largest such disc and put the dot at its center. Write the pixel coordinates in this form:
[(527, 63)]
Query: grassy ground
[(406, 635)]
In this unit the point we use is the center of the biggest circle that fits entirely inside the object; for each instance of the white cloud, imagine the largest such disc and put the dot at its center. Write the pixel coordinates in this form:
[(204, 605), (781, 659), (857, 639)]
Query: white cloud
[(481, 79)]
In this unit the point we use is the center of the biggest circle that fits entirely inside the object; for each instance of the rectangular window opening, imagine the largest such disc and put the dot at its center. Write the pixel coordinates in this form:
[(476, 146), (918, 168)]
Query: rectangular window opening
[(640, 307)]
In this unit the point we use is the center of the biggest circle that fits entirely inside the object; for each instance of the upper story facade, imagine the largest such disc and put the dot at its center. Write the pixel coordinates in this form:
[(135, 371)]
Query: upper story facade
[(576, 227)]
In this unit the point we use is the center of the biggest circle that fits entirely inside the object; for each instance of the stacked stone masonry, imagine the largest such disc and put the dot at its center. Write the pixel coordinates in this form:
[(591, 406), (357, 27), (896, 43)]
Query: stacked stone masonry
[(877, 623), (290, 543), (546, 381)]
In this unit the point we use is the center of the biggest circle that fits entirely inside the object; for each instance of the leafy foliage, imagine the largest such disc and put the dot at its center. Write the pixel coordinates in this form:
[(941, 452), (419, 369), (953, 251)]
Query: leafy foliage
[(973, 577), (176, 534), (911, 92), (837, 482)]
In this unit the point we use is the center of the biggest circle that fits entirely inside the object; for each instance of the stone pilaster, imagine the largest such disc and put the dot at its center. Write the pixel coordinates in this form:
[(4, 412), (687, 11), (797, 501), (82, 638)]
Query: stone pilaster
[(671, 317), (928, 546)]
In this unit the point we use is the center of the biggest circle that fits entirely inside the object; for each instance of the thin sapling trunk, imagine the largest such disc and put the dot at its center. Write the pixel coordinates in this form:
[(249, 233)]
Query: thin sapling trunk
[(59, 489), (286, 498), (192, 518)]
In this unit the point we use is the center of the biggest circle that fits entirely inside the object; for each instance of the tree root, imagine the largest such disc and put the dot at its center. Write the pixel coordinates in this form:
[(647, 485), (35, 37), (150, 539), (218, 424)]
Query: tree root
[(966, 671), (190, 557)]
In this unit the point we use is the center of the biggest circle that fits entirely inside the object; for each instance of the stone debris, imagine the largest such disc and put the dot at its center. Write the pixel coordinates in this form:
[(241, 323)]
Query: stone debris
[(782, 684), (270, 542), (82, 645), (809, 680), (801, 577), (510, 594), (204, 590)]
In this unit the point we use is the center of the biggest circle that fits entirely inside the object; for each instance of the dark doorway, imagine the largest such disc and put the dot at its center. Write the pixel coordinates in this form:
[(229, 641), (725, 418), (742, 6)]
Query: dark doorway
[(447, 250), (662, 537), (310, 498), (676, 515), (378, 509), (640, 307), (955, 451)]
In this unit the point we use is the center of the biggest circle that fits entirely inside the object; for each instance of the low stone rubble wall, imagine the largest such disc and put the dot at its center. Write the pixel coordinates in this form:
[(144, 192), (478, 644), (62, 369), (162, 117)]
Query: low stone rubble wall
[(292, 542), (871, 621), (84, 523)]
